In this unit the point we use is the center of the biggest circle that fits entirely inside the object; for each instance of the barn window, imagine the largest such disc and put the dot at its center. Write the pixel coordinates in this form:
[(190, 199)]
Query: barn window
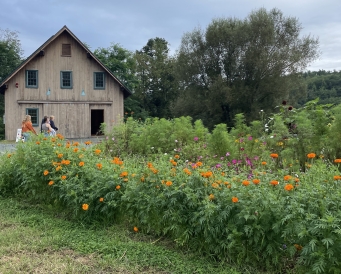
[(66, 49), (99, 80), (34, 112), (66, 79), (31, 78)]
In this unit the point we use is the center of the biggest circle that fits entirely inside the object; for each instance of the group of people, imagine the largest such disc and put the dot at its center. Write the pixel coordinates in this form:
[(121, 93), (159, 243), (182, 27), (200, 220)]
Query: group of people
[(48, 127)]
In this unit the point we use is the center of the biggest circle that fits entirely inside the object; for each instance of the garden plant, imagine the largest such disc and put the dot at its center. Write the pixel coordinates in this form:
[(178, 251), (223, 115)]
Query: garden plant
[(266, 194)]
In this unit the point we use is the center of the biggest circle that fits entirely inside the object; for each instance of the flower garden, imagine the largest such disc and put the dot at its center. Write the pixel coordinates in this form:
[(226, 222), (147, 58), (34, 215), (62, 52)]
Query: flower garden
[(265, 194)]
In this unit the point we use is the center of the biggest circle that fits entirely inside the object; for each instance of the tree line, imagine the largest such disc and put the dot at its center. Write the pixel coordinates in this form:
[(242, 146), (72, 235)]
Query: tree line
[(232, 66)]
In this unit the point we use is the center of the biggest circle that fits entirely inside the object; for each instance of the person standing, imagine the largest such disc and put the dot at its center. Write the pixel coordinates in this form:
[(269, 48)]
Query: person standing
[(42, 122), (27, 128), (52, 123), (46, 127)]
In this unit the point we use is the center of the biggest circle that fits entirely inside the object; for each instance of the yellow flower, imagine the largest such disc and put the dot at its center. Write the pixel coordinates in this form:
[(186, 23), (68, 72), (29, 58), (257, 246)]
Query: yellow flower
[(85, 207)]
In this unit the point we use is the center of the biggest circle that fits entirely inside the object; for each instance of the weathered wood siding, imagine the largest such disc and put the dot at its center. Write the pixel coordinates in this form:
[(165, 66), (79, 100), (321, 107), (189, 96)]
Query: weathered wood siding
[(70, 108)]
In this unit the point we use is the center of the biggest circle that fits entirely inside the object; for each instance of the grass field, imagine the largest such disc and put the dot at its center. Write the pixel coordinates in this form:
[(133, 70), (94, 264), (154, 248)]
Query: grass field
[(34, 239)]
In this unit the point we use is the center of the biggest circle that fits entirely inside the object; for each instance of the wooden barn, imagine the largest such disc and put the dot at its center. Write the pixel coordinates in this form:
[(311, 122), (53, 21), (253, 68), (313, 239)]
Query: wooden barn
[(63, 78)]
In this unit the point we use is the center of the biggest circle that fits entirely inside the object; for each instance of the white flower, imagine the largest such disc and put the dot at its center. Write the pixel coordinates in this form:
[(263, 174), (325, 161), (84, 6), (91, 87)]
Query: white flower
[(165, 153), (271, 136), (176, 141), (152, 148)]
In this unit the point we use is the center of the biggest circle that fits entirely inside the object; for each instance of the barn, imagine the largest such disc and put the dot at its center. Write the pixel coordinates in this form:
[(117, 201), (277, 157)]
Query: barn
[(63, 78)]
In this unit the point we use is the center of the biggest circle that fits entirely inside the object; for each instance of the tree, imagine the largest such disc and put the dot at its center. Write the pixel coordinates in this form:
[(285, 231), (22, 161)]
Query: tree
[(249, 64), (10, 58), (157, 86)]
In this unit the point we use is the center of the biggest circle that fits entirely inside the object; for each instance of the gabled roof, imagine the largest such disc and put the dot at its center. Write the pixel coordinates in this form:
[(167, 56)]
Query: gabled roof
[(124, 89)]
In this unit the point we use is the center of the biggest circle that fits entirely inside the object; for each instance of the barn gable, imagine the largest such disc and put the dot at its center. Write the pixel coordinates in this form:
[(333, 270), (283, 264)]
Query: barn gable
[(65, 79)]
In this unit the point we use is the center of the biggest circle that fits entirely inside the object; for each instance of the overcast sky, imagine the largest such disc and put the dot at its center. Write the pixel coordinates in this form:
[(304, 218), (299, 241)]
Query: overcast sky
[(131, 23)]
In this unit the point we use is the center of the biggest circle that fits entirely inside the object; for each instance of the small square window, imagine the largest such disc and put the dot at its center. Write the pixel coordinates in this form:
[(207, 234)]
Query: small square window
[(99, 80), (66, 49), (31, 78), (34, 113), (66, 79)]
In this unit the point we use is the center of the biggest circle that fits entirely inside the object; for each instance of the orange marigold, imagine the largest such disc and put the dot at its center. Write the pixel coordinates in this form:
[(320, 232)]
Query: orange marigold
[(256, 181), (338, 161), (206, 174), (235, 200), (245, 183), (46, 172), (87, 143), (311, 155), (118, 187), (211, 197), (101, 199), (176, 156), (99, 166), (215, 185), (38, 143), (97, 151), (298, 247), (85, 207), (124, 174), (297, 180), (288, 187), (136, 229), (75, 149), (186, 170), (263, 163), (274, 155), (287, 177), (9, 155), (58, 168), (81, 164), (274, 182), (337, 177), (51, 183), (169, 183), (60, 155), (199, 164), (63, 177)]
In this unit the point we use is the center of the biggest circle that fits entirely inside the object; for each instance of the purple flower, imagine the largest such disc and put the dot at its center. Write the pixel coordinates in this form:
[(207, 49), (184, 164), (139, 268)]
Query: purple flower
[(228, 164), (256, 158), (241, 148), (200, 157), (218, 165), (221, 158), (227, 154), (241, 140), (250, 138), (234, 161), (196, 138)]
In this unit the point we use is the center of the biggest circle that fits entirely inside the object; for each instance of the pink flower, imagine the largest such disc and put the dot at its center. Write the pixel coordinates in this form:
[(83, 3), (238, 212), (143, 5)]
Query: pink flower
[(196, 138)]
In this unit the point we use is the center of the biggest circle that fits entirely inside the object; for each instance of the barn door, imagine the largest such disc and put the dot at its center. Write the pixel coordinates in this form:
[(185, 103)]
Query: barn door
[(97, 118)]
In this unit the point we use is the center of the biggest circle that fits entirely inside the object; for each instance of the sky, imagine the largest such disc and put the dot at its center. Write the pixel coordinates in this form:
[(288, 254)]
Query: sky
[(131, 23)]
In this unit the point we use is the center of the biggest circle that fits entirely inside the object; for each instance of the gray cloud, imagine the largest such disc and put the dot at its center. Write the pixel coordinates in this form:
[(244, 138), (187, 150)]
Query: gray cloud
[(131, 23)]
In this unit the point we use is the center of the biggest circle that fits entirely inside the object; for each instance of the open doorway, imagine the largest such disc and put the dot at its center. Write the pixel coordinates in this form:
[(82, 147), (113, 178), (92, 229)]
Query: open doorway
[(97, 118)]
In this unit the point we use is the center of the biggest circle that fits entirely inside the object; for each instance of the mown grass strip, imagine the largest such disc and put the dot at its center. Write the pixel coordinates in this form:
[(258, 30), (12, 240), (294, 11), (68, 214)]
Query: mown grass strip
[(34, 239)]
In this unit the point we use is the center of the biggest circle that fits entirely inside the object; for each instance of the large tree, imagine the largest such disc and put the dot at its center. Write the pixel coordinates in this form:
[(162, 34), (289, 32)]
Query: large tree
[(10, 58), (155, 71), (241, 65)]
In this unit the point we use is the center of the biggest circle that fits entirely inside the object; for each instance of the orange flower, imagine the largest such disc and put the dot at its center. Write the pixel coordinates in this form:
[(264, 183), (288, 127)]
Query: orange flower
[(274, 182), (298, 247), (311, 155), (101, 199), (87, 143), (211, 197), (124, 174), (75, 149), (63, 177), (169, 183), (9, 155), (287, 177), (337, 177), (235, 200), (46, 172), (150, 165), (206, 174), (297, 180), (176, 156), (245, 183), (67, 145), (256, 181), (97, 151), (51, 183), (67, 162), (338, 161), (85, 207), (99, 165), (125, 179), (136, 229), (263, 163), (186, 170), (142, 179), (199, 164), (75, 144), (288, 187), (118, 187), (215, 185), (58, 168), (274, 155), (38, 143), (81, 164)]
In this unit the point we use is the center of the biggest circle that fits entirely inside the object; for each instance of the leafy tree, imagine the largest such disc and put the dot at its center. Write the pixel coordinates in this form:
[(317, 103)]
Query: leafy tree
[(155, 71), (10, 58), (242, 65)]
